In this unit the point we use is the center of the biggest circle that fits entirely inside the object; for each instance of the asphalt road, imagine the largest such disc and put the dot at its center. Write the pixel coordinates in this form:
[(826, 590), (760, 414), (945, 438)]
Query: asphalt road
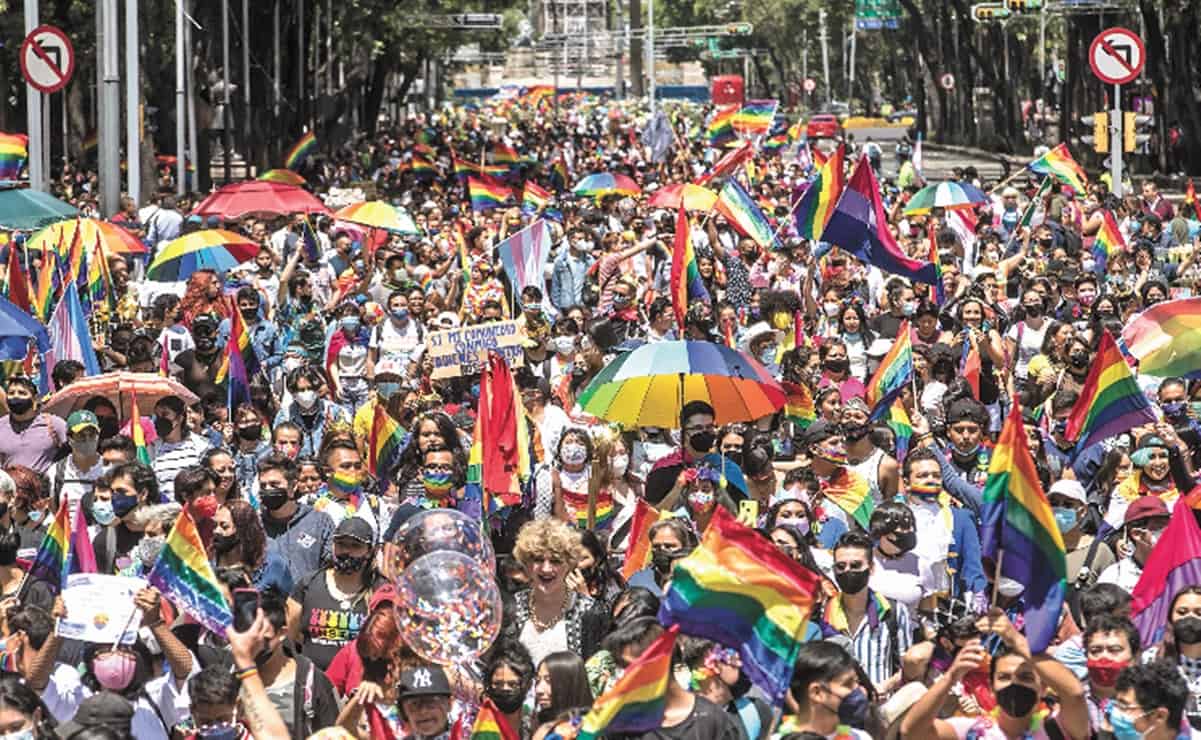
[(937, 165)]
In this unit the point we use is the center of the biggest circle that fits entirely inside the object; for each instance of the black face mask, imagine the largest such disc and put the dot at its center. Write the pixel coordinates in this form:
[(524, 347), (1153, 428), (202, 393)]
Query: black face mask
[(852, 581), (347, 564), (1187, 630), (163, 427), (251, 315), (662, 561), (1017, 700), (1078, 359), (224, 543), (8, 555), (702, 441), (905, 541), (741, 686), (20, 405), (856, 431), (840, 365), (250, 434), (264, 656), (1033, 311), (273, 498), (108, 426), (507, 700), (205, 345)]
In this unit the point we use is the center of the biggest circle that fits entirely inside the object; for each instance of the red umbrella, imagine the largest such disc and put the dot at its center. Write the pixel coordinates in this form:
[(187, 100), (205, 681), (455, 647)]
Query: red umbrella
[(259, 196)]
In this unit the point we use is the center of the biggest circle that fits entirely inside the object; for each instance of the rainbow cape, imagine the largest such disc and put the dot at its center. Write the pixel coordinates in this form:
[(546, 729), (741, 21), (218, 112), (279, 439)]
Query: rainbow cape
[(738, 590), (894, 372), (1166, 339), (14, 150), (817, 203), (486, 193), (490, 724), (533, 198), (385, 442), (1110, 402), (183, 573), (50, 565), (1019, 531), (136, 433), (720, 129), (1059, 163), (897, 420), (1109, 240), (686, 284), (850, 492), (300, 151), (744, 214), (755, 117)]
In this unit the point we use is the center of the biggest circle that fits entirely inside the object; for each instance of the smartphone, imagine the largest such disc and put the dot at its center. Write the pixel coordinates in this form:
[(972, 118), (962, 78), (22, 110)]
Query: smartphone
[(246, 607), (748, 512)]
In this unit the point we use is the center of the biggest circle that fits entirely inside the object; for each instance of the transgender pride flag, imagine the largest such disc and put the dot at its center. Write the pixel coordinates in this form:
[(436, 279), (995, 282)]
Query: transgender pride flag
[(1173, 564), (524, 255), (69, 337)]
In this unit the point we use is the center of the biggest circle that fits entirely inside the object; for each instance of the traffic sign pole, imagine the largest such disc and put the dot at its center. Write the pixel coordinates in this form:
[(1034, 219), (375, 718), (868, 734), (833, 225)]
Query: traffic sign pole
[(1115, 143), (1116, 56), (33, 113)]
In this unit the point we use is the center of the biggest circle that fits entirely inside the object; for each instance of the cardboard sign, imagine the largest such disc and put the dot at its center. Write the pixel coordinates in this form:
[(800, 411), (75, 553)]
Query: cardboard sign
[(98, 606), (462, 351)]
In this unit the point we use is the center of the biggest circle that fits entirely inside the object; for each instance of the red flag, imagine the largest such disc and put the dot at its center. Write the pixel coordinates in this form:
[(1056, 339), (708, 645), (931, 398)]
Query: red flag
[(379, 726), (730, 162), (499, 421), (18, 282), (970, 369)]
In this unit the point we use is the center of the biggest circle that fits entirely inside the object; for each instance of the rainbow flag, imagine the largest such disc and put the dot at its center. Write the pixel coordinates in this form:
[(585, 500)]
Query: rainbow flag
[(533, 198), (463, 168), (897, 420), (798, 405), (498, 464), (1019, 531), (385, 442), (604, 517), (136, 433), (1190, 199), (755, 117), (43, 300), (638, 547), (300, 151), (82, 558), (50, 564), (240, 362), (182, 573), (686, 282), (720, 129), (1108, 241), (938, 294), (817, 204), (1110, 402), (741, 211), (1166, 339), (559, 175), (490, 724), (738, 590), (502, 153), (14, 150), (851, 493), (486, 193), (422, 167), (1059, 163), (637, 700), (729, 162), (894, 372), (1174, 564)]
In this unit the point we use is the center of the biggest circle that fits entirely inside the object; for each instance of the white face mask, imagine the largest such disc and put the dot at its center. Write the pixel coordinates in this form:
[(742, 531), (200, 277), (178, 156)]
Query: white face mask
[(620, 464), (831, 309), (306, 399)]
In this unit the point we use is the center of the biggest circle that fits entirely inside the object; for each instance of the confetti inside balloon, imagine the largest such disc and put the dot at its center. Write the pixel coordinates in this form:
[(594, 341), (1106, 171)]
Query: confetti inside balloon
[(449, 609)]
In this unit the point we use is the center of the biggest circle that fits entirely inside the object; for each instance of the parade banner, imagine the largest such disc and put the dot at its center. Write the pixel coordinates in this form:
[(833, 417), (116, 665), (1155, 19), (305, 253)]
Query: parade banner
[(462, 351), (99, 606)]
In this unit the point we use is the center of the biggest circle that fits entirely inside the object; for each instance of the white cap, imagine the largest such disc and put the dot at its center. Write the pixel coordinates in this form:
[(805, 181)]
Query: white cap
[(1069, 489), (755, 331)]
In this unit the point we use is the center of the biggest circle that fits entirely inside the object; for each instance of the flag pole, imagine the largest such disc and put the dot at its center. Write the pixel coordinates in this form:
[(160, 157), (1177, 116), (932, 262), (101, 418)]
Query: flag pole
[(996, 581)]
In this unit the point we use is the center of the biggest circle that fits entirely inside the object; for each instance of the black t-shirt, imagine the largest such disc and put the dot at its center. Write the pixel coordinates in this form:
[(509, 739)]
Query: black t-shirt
[(112, 544), (707, 720), (326, 623), (886, 325)]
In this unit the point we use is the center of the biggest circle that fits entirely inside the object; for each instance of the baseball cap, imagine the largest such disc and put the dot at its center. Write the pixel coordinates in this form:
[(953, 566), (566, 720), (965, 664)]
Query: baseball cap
[(818, 431), (427, 680), (1145, 507), (1069, 489), (355, 528), (105, 709), (82, 419)]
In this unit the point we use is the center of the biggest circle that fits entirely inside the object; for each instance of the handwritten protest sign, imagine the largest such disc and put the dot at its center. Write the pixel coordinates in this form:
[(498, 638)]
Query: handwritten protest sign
[(99, 606), (461, 351)]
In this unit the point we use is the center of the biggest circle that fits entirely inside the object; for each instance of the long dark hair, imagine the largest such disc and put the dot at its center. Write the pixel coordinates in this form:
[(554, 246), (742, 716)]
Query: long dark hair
[(603, 574), (141, 674), (16, 695), (1167, 648), (411, 458), (569, 684)]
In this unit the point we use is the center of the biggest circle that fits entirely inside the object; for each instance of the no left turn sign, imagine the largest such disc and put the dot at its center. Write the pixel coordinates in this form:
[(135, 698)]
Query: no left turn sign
[(1117, 56), (47, 59)]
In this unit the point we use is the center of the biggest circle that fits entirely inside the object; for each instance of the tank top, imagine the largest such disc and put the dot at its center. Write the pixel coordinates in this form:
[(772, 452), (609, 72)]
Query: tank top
[(869, 468)]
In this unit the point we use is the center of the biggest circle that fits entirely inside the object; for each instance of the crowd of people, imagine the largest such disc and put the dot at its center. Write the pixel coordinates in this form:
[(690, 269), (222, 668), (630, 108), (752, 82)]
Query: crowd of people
[(912, 633)]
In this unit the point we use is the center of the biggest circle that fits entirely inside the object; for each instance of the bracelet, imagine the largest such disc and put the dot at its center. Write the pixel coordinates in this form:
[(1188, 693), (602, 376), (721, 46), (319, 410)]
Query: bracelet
[(246, 673)]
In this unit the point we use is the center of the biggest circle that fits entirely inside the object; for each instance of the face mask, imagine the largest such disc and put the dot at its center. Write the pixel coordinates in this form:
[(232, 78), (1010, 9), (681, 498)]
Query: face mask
[(306, 399), (291, 363), (837, 366), (831, 309), (1174, 409), (856, 431), (852, 581), (1078, 359), (400, 314), (20, 405), (250, 433), (273, 498), (832, 455), (250, 314), (619, 465), (1086, 298), (966, 454), (1017, 700), (347, 564), (700, 501), (852, 710), (224, 543), (1123, 725), (1104, 672), (573, 454), (620, 301), (386, 390), (1033, 311), (102, 512), (507, 700), (800, 523), (925, 490), (1011, 589), (85, 447), (662, 561), (108, 427), (1187, 630), (264, 656), (1065, 519), (8, 555), (563, 345), (904, 541), (909, 308), (19, 735), (436, 482), (149, 549), (114, 671), (740, 687), (223, 731), (768, 355), (702, 441), (350, 324), (163, 427), (36, 515)]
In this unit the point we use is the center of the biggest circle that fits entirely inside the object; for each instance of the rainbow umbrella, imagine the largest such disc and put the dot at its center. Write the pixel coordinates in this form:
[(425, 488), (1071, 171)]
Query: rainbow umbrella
[(692, 197), (377, 214), (604, 183), (650, 385), (949, 195), (284, 176), (210, 249), (59, 237)]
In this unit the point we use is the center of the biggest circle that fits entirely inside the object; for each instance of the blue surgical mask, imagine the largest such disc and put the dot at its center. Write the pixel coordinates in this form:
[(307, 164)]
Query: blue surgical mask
[(400, 314), (1065, 518), (768, 355), (1123, 725), (909, 308), (350, 324), (386, 390), (36, 515), (102, 512)]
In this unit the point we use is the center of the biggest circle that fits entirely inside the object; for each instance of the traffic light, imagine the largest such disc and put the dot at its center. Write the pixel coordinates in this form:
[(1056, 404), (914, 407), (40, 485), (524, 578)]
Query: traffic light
[(739, 29), (1100, 138), (1024, 6), (1131, 123), (985, 12)]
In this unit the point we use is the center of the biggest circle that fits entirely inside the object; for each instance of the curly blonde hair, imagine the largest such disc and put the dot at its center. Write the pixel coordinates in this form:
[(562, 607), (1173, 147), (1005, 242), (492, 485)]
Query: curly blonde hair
[(547, 538)]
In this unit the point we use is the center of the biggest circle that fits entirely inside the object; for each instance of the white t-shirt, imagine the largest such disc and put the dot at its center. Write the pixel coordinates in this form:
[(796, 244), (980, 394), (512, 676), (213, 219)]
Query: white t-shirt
[(1031, 344), (900, 579), (403, 345)]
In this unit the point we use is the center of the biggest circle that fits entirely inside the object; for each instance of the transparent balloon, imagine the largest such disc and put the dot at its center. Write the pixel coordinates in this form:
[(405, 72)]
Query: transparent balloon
[(439, 530), (449, 608)]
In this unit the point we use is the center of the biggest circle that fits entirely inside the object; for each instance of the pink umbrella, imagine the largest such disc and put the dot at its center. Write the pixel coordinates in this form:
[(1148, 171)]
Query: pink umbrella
[(259, 196)]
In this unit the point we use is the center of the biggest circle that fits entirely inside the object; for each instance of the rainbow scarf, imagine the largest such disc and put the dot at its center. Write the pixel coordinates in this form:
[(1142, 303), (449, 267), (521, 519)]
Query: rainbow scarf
[(835, 615)]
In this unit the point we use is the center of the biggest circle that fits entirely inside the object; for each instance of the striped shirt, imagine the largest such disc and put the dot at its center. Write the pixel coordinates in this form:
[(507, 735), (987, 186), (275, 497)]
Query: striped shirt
[(872, 642), (172, 457)]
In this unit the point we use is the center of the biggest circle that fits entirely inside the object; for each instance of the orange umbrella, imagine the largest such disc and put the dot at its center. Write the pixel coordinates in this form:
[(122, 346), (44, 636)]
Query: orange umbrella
[(692, 197), (112, 238), (283, 176)]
